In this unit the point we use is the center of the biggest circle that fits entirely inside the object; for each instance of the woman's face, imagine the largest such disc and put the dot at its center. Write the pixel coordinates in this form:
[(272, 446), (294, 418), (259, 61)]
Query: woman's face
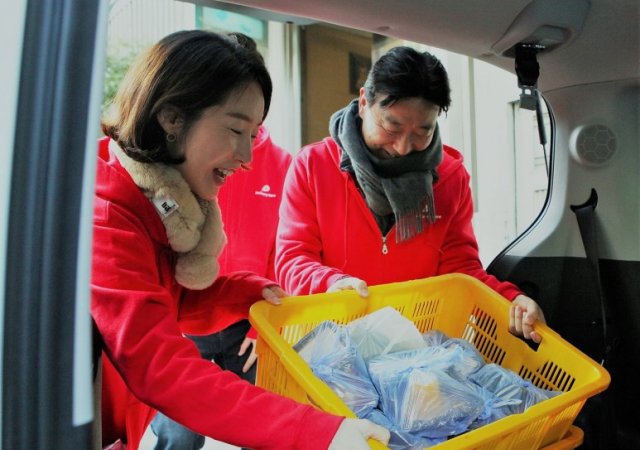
[(221, 141)]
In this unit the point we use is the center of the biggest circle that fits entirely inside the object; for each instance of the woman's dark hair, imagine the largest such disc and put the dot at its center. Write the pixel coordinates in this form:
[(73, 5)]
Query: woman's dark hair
[(188, 70), (404, 73)]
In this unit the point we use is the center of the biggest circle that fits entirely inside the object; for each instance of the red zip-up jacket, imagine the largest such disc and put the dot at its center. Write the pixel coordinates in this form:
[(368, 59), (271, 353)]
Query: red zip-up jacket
[(248, 199), (327, 231), (141, 313)]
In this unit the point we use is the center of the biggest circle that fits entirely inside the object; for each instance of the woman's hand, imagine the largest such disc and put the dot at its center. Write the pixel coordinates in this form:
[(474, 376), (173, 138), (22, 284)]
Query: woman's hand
[(273, 294), (522, 316), (353, 435), (346, 283), (248, 342)]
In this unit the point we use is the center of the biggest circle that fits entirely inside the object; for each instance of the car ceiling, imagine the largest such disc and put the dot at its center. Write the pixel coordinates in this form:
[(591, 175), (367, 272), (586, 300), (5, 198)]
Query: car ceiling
[(601, 38)]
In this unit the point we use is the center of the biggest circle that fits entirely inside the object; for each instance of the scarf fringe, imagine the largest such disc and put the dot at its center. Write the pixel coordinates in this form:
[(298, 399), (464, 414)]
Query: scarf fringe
[(413, 222)]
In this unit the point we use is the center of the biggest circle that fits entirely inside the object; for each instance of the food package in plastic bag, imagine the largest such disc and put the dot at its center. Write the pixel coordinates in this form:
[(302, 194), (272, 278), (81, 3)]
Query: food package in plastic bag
[(400, 439), (465, 357), (424, 400), (508, 385), (336, 361), (456, 357), (434, 338), (384, 331), (494, 407)]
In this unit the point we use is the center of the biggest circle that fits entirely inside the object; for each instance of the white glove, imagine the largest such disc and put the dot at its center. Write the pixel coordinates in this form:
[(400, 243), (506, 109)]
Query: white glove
[(353, 435), (346, 283)]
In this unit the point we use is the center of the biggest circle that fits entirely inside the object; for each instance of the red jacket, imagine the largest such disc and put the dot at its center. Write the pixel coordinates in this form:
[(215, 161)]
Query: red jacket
[(249, 199), (141, 313), (327, 230)]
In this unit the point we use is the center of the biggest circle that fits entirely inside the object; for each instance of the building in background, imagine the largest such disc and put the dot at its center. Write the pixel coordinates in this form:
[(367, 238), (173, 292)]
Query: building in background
[(316, 69)]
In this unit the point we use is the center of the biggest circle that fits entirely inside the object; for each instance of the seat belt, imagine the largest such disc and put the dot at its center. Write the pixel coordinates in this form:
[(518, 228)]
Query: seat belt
[(585, 215), (604, 432)]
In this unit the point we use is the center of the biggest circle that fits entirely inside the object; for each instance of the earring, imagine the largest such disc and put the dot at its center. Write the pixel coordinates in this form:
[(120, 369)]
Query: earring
[(171, 137)]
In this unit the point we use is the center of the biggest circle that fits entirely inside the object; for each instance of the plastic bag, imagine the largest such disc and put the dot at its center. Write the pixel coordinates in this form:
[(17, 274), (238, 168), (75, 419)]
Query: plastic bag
[(336, 361), (384, 331), (434, 338), (423, 400), (465, 357), (401, 440), (494, 407), (508, 385)]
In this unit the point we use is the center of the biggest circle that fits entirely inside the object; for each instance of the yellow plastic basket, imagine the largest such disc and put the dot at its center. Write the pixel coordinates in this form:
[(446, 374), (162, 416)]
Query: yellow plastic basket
[(573, 439), (460, 306)]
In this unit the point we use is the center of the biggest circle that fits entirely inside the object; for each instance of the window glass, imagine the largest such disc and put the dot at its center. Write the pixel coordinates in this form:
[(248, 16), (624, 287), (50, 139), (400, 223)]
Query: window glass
[(498, 140)]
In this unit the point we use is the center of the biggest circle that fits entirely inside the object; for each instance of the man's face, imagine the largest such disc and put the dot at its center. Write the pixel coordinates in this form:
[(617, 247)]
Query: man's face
[(398, 129)]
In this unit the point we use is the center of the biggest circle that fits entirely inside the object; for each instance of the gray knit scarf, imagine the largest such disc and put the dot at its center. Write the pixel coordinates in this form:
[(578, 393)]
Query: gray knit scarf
[(402, 186)]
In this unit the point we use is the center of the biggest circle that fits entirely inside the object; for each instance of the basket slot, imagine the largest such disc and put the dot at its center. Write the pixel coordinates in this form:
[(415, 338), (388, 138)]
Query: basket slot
[(549, 376), (401, 309), (530, 437), (556, 376), (469, 332), (426, 308), (562, 380), (292, 334), (537, 380), (489, 349), (485, 322), (425, 314), (481, 331), (426, 324), (504, 442), (347, 319), (560, 425)]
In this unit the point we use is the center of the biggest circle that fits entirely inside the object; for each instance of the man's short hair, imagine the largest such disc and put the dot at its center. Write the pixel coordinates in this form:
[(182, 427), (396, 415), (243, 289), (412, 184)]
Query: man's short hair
[(405, 73)]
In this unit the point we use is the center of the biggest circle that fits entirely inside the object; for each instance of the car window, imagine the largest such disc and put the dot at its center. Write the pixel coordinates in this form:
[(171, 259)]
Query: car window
[(499, 141)]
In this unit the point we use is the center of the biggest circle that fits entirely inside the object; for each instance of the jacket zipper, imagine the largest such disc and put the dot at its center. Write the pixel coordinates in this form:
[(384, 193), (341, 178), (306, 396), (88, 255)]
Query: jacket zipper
[(385, 249)]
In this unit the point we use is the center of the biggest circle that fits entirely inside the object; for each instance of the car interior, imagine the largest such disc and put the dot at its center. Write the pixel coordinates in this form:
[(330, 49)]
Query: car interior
[(576, 69)]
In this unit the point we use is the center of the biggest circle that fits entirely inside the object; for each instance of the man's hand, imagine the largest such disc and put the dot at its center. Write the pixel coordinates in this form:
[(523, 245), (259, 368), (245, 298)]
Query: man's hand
[(522, 316), (346, 283), (353, 435)]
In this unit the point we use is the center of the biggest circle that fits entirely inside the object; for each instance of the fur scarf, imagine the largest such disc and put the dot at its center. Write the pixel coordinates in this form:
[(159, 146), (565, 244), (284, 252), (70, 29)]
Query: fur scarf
[(194, 226)]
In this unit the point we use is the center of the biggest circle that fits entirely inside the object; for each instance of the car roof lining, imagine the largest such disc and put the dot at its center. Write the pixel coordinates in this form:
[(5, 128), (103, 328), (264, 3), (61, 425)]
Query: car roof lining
[(479, 29)]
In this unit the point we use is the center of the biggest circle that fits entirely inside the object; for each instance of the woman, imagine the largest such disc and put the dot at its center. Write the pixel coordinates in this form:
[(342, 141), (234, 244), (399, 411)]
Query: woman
[(184, 120)]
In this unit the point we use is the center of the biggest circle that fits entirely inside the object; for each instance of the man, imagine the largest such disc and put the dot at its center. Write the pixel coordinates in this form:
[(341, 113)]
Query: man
[(382, 200)]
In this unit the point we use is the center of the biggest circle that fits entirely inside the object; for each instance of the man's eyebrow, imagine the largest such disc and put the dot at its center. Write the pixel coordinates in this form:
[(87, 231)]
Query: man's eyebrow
[(429, 126), (391, 119)]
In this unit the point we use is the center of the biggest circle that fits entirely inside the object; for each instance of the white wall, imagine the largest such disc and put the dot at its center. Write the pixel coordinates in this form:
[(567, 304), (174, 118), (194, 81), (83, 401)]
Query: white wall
[(140, 23)]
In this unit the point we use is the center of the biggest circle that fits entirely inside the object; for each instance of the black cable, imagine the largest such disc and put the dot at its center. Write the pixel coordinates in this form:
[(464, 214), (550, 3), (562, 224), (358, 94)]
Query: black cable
[(542, 133)]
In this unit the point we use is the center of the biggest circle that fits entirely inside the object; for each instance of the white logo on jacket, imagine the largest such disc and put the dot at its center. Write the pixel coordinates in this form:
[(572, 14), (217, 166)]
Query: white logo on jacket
[(264, 192)]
